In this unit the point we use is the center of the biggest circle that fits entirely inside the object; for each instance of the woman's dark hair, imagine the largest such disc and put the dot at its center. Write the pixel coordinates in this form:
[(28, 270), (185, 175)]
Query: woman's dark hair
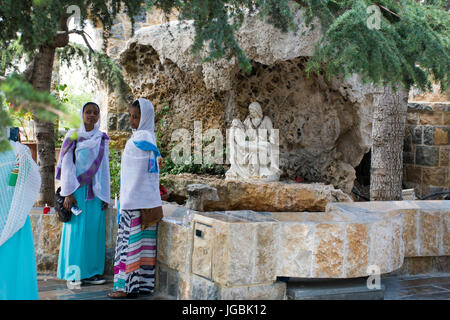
[(93, 103), (136, 104)]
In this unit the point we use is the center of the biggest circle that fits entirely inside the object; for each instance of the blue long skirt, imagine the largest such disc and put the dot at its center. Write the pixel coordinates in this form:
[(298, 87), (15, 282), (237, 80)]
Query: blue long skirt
[(82, 250), (18, 280)]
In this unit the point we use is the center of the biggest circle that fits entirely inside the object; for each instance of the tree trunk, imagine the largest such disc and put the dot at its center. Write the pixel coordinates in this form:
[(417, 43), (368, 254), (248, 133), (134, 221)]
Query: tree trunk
[(41, 81), (40, 76), (388, 130)]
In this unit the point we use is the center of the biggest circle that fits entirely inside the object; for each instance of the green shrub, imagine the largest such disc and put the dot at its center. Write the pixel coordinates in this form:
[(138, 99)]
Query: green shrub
[(114, 168)]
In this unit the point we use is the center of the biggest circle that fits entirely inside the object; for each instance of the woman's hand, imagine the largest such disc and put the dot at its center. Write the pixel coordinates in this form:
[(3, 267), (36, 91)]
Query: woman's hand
[(69, 201), (104, 205)]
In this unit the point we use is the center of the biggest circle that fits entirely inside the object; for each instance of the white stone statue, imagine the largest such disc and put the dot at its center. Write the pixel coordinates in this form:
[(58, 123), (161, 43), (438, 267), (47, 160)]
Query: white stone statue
[(254, 147)]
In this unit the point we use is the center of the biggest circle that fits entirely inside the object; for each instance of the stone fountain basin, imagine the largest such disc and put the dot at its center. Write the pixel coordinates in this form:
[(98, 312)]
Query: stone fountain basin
[(347, 240)]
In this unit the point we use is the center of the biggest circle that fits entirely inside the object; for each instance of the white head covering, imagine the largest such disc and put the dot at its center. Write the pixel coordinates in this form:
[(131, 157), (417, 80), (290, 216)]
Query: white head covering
[(82, 129), (255, 106), (139, 188), (68, 171), (146, 128)]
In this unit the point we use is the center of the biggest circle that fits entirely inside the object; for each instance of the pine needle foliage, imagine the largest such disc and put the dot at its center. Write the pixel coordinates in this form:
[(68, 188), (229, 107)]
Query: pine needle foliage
[(411, 47)]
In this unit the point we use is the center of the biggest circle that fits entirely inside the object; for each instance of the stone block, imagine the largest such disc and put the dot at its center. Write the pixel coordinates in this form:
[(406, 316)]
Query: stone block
[(398, 246), (436, 176), (413, 174), (428, 135), (233, 293), (50, 234), (441, 263), (357, 256), (271, 291), (202, 250), (407, 143), (446, 116), (408, 157), (328, 258), (296, 247), (117, 32), (184, 286), (431, 118), (444, 156), (419, 265), (445, 229), (179, 248), (334, 289), (381, 245), (46, 263), (419, 107), (161, 279), (410, 232), (441, 136), (241, 253), (172, 283), (212, 291), (416, 134), (163, 243), (220, 252), (427, 156), (247, 195), (429, 231), (265, 253), (412, 118)]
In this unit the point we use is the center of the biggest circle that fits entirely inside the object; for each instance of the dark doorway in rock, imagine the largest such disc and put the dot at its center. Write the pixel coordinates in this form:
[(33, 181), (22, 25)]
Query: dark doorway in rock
[(361, 188)]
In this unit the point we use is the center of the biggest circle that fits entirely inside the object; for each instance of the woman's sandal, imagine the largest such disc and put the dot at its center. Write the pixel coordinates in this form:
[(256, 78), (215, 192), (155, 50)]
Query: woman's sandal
[(122, 295)]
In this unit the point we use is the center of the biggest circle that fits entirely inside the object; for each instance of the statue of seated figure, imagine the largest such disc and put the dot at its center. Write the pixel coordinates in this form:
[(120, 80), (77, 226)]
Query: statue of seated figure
[(254, 152)]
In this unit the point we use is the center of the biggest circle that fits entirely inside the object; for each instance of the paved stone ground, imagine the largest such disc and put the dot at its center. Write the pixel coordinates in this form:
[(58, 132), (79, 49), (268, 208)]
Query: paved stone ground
[(419, 287), (52, 288)]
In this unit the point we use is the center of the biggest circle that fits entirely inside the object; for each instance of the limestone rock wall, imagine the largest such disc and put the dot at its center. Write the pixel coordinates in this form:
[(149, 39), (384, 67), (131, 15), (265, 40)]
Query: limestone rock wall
[(324, 126)]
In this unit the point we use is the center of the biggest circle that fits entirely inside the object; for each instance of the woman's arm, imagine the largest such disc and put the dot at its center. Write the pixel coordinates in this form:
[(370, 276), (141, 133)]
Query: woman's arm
[(69, 201)]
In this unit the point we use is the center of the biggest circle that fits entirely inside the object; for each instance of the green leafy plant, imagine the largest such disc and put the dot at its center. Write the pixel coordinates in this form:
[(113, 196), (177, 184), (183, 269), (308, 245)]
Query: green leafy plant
[(169, 167), (114, 168)]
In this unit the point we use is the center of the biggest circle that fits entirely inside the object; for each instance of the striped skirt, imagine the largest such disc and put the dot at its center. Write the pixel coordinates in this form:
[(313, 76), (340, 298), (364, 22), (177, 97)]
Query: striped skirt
[(135, 257)]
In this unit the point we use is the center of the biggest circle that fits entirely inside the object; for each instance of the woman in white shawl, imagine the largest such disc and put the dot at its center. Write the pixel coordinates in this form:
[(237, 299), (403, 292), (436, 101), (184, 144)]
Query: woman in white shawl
[(83, 168), (18, 278), (135, 257)]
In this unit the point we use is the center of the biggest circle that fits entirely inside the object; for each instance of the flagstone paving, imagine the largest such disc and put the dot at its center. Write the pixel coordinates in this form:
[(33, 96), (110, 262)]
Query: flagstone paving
[(419, 287), (51, 288)]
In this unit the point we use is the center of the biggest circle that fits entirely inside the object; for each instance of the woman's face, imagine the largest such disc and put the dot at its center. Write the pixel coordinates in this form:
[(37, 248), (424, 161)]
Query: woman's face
[(135, 117), (91, 115)]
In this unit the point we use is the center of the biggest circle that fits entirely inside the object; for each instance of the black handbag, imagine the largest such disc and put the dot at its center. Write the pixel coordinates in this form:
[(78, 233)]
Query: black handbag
[(63, 214)]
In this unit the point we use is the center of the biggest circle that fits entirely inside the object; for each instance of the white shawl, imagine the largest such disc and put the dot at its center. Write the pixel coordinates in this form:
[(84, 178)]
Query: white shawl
[(25, 192), (139, 188), (90, 143)]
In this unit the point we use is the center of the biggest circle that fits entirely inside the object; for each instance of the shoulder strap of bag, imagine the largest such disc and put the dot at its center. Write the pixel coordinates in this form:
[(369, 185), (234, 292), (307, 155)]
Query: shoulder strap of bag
[(74, 147)]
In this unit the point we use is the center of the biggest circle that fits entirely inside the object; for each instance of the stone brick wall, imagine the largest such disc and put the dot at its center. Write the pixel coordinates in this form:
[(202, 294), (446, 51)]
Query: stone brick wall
[(427, 147)]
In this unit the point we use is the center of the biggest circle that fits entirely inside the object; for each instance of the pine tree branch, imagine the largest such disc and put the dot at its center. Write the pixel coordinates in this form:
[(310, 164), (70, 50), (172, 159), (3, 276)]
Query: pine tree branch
[(386, 9), (83, 34)]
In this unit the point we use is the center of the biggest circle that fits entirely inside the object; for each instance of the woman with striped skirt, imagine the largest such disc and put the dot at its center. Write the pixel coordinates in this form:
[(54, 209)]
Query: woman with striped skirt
[(135, 257)]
